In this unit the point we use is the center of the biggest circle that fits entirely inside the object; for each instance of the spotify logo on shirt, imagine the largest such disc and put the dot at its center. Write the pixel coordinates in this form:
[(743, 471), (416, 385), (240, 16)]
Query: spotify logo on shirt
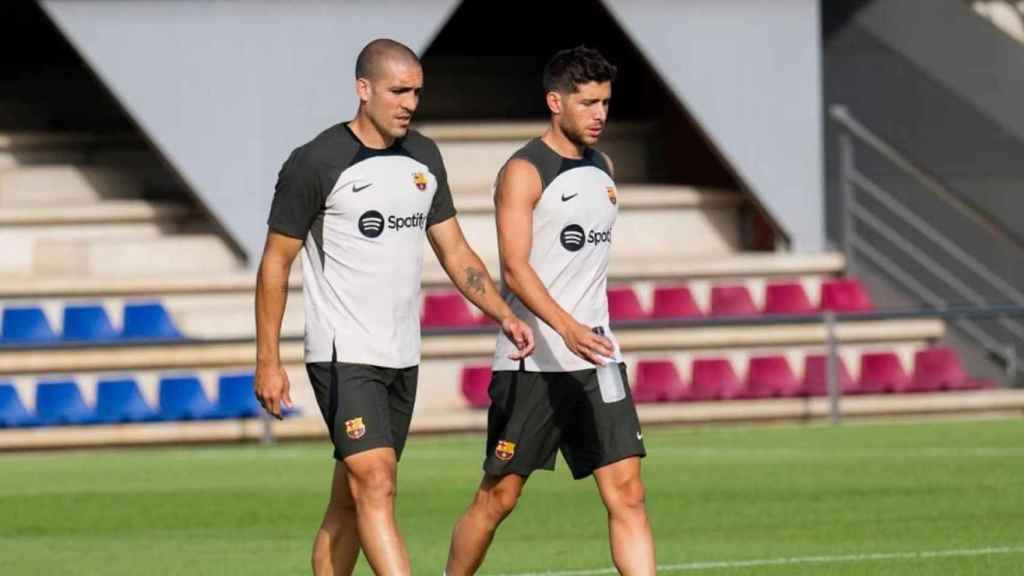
[(371, 223), (573, 237)]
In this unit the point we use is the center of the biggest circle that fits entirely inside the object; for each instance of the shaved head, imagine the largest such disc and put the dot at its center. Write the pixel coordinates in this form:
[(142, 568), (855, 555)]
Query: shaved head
[(376, 53)]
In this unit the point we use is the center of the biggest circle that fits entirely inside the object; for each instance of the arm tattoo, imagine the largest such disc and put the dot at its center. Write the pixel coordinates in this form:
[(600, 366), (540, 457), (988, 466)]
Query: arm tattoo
[(474, 280)]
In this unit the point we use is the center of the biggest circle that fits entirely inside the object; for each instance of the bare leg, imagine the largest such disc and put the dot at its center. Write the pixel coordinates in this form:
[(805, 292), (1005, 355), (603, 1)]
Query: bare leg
[(629, 531), (372, 478), (336, 546), (494, 500)]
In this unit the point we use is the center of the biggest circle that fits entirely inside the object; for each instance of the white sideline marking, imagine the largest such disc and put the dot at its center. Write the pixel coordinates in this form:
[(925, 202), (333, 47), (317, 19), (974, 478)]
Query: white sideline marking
[(695, 566)]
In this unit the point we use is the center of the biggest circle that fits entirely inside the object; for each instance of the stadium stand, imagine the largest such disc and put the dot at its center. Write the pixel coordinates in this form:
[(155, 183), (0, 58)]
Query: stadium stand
[(142, 288)]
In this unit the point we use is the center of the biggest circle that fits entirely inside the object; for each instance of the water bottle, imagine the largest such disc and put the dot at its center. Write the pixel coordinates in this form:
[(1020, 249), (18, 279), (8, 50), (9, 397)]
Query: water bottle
[(609, 377)]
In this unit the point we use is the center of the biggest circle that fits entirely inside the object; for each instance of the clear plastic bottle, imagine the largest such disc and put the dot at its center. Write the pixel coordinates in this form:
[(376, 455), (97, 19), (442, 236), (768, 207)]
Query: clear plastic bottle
[(609, 377)]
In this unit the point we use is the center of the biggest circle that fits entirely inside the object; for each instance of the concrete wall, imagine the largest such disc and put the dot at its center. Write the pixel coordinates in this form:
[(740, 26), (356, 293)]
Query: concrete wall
[(226, 89), (750, 74)]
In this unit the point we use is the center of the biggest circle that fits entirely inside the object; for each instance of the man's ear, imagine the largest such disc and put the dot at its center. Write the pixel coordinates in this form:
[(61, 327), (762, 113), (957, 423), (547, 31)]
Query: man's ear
[(363, 89), (555, 103)]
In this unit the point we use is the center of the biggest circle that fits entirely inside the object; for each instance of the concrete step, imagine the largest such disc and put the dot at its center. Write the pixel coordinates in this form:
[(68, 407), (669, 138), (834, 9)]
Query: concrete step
[(310, 426), (64, 185), (159, 256), (106, 212), (463, 347), (737, 266)]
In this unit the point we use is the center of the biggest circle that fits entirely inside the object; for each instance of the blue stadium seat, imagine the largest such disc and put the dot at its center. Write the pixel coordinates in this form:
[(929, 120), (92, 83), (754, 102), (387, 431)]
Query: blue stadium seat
[(183, 398), (60, 402), (87, 323), (119, 400), (12, 411), (149, 321), (27, 325), (235, 397)]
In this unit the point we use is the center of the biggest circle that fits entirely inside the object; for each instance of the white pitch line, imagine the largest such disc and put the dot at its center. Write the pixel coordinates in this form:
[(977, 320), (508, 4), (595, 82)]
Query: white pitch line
[(847, 558)]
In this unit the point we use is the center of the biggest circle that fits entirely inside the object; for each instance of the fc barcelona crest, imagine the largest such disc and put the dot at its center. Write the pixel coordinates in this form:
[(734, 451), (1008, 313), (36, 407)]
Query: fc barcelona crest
[(355, 428), (420, 179), (612, 197), (505, 450)]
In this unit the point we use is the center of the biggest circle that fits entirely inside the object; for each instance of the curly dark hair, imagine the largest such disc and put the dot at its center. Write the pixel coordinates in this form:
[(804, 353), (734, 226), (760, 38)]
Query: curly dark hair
[(571, 67)]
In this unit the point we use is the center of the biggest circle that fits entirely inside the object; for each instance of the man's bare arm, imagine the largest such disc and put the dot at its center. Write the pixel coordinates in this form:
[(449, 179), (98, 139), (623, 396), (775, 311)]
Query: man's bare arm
[(272, 386)]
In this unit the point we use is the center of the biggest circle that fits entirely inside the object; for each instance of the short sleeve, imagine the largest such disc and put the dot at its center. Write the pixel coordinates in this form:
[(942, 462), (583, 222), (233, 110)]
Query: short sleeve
[(442, 207), (298, 198)]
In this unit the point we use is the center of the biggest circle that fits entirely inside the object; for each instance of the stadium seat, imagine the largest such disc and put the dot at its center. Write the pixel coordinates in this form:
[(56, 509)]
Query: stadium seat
[(13, 413), (658, 381), (119, 400), (26, 325), (939, 368), (236, 397), (732, 300), (769, 376), (148, 321), (60, 402), (882, 372), (87, 323), (183, 398), (624, 304), (787, 298), (714, 379), (815, 381), (475, 383), (845, 295), (674, 302), (446, 309)]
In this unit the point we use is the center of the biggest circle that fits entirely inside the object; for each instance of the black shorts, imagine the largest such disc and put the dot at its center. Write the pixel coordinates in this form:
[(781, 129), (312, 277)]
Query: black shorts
[(364, 406), (534, 414)]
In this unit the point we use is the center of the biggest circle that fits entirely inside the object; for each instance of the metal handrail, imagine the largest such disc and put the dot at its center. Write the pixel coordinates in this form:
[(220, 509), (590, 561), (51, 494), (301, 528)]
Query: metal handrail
[(967, 209)]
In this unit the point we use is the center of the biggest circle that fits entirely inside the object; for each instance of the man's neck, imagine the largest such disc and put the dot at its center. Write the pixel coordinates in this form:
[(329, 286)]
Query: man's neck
[(555, 138), (368, 134)]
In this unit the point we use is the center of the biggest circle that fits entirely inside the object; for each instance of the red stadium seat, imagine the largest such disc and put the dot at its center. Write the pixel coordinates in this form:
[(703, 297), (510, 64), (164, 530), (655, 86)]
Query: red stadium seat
[(816, 376), (845, 295), (939, 368), (787, 298), (446, 309), (476, 381), (732, 300), (624, 304), (769, 376), (658, 381), (675, 302), (882, 372), (714, 379)]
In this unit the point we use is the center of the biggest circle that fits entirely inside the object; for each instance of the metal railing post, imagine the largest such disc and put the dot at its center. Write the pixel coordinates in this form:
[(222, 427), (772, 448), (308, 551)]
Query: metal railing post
[(832, 370)]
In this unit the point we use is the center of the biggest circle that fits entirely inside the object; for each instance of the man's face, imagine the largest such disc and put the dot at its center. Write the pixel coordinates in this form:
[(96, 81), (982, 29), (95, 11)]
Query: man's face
[(585, 112), (392, 95)]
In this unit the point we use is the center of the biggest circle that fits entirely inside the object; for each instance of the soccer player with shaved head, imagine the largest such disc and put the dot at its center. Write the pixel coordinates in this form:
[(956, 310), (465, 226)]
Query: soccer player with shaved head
[(556, 209), (358, 202)]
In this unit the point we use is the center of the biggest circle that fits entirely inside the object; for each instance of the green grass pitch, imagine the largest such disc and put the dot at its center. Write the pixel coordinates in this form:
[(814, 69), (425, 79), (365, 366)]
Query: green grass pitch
[(925, 498)]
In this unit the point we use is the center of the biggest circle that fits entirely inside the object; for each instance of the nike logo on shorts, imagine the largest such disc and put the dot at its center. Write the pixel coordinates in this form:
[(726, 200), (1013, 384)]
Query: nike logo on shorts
[(361, 188), (570, 197), (639, 436)]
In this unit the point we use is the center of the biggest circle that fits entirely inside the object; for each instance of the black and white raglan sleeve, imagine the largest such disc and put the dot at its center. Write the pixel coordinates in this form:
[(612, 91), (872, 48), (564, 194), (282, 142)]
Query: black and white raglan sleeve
[(298, 196), (442, 207)]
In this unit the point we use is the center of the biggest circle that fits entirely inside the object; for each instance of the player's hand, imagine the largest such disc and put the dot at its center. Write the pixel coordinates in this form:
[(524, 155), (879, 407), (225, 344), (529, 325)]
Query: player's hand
[(273, 389), (583, 342), (520, 334)]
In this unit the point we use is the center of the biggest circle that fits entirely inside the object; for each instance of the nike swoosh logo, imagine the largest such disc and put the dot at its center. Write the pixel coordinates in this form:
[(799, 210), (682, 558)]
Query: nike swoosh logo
[(361, 188), (639, 436), (565, 198)]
